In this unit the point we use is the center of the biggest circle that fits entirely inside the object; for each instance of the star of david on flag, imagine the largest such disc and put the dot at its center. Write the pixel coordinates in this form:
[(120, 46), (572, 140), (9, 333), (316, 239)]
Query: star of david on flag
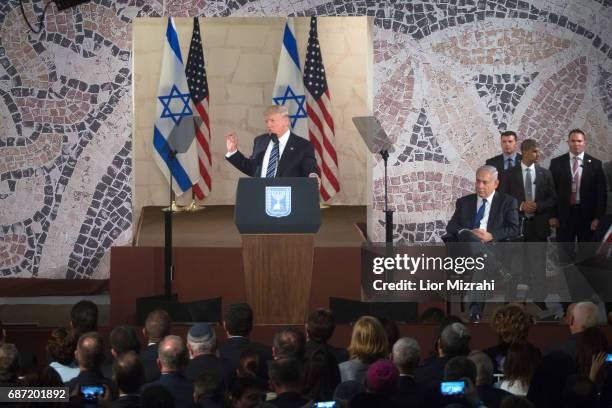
[(288, 87), (174, 149)]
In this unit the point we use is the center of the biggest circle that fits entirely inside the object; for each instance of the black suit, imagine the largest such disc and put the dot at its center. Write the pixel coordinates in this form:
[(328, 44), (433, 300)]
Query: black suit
[(409, 393), (297, 159), (503, 223), (220, 368), (179, 386), (498, 163), (535, 228), (503, 220), (575, 220), (127, 401)]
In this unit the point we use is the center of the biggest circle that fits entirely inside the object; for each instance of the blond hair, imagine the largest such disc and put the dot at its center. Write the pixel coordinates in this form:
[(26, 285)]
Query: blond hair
[(369, 340)]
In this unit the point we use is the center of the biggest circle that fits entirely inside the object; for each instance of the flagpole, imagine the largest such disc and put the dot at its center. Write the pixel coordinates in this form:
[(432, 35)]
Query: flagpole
[(194, 206)]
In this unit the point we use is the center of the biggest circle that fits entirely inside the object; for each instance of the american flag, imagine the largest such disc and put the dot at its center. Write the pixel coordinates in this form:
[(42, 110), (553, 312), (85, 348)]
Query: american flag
[(320, 121), (198, 87)]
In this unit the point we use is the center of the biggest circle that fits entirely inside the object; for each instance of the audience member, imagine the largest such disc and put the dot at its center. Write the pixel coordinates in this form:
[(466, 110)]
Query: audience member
[(84, 317), (432, 315), (591, 348), (42, 377), (238, 323), (89, 356), (250, 364), (520, 364), (321, 374), (157, 326), (9, 365), (549, 380), (172, 361), (584, 315), (446, 321), (128, 375), (406, 354), (123, 339), (60, 347), (382, 377), (156, 396), (454, 341), (288, 342), (247, 392), (368, 344), (202, 346), (580, 392), (27, 359), (319, 329), (285, 380), (208, 392), (511, 324), (491, 396)]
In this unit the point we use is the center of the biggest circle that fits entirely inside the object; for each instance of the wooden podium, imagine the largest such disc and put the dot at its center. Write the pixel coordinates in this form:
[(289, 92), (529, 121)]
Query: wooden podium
[(277, 218)]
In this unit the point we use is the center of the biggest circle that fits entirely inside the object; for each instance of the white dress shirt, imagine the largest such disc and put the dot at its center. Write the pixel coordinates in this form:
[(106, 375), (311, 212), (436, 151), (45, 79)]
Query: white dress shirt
[(579, 172), (282, 142)]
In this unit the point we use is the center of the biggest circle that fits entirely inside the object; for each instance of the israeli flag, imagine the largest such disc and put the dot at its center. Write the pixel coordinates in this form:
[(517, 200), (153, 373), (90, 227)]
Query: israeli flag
[(289, 87), (174, 149)]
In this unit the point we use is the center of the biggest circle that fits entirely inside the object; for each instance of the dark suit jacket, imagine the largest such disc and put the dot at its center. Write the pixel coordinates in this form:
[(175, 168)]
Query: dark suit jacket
[(568, 346), (498, 163), (298, 158), (220, 368), (545, 197), (409, 393), (491, 396), (179, 386), (592, 188), (233, 347), (503, 216), (339, 353), (149, 352)]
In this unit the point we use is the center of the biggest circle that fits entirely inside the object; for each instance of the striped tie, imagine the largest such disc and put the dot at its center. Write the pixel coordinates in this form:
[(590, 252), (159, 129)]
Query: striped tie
[(273, 161)]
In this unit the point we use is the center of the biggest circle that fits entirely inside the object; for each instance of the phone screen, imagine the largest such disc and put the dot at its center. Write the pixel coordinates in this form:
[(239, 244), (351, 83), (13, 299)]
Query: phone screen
[(452, 387), (91, 392), (326, 404), (609, 358)]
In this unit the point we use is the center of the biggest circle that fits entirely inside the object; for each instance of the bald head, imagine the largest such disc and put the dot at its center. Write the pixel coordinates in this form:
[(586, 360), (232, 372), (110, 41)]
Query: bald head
[(173, 354), (584, 315)]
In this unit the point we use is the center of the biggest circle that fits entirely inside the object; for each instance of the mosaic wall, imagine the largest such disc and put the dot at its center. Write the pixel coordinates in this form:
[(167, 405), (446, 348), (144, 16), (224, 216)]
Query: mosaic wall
[(448, 75)]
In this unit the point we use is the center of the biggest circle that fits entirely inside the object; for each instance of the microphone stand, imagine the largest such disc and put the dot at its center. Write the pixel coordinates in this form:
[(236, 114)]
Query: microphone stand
[(388, 213)]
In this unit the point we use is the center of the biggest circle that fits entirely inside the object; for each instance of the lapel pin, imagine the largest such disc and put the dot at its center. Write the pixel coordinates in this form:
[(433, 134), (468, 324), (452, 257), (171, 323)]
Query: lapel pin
[(291, 148)]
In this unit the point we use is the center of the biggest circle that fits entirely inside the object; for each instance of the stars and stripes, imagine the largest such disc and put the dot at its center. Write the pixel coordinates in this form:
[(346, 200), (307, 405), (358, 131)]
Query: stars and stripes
[(198, 86), (320, 121)]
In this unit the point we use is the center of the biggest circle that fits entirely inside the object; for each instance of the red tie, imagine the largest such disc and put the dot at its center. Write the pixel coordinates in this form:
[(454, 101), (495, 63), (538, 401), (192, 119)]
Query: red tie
[(575, 181)]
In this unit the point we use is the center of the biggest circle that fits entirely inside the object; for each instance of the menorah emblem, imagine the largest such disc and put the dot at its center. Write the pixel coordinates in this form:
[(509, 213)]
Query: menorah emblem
[(278, 201)]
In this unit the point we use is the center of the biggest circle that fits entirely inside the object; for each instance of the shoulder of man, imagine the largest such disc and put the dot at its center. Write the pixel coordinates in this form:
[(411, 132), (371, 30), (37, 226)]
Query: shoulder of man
[(493, 159), (593, 160)]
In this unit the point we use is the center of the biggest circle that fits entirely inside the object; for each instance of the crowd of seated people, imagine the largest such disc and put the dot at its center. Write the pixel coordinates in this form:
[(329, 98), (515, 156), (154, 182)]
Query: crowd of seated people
[(300, 369)]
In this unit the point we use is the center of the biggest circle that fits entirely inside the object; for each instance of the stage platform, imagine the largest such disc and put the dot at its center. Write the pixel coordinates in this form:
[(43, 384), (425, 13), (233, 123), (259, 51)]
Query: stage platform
[(207, 259)]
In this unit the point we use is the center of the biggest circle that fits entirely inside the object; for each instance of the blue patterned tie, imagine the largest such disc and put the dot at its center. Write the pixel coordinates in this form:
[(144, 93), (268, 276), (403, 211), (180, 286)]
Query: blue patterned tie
[(273, 160), (480, 214)]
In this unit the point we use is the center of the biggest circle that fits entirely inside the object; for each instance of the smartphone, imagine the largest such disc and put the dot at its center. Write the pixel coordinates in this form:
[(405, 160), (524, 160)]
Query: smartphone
[(326, 404), (452, 388), (609, 358), (91, 392)]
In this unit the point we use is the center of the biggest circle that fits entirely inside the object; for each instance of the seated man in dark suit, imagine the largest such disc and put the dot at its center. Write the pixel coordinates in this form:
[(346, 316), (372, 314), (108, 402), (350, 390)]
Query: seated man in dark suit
[(285, 379), (172, 361), (128, 374), (319, 329), (89, 355), (509, 157), (278, 153), (491, 396), (406, 354), (202, 346), (481, 218), (157, 326), (534, 189), (238, 323)]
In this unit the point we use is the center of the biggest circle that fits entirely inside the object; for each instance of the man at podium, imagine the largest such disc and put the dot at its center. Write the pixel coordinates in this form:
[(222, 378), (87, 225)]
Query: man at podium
[(278, 153)]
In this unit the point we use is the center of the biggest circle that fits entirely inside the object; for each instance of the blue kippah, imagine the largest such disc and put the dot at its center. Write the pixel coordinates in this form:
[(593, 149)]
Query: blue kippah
[(200, 331)]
